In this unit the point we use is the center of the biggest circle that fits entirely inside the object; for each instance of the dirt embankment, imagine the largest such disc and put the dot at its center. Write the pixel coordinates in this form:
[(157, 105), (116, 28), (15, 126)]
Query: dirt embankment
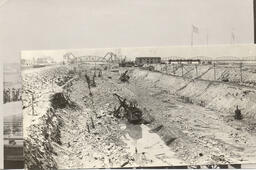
[(216, 96), (46, 135), (74, 129), (191, 121), (42, 119)]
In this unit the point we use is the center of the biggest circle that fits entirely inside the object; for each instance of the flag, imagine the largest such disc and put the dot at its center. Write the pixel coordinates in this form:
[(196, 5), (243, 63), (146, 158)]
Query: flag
[(195, 29), (233, 36)]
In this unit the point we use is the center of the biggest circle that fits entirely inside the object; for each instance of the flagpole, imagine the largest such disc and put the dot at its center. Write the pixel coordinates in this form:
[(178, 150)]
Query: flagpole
[(192, 32), (207, 38), (231, 39), (234, 38)]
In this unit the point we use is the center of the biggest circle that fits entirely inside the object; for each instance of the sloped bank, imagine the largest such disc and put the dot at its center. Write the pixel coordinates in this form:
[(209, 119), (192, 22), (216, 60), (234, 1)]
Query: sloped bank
[(39, 146), (216, 96)]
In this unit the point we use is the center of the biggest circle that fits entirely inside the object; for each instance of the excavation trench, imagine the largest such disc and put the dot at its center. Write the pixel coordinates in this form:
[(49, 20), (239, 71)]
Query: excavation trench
[(201, 121), (179, 131), (147, 146), (94, 137)]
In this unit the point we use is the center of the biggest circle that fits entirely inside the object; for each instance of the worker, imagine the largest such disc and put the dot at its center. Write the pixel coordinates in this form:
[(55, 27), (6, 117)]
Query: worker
[(100, 73), (238, 114)]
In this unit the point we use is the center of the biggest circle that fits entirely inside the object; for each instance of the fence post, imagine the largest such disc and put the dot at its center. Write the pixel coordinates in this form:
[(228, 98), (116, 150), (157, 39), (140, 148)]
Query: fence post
[(182, 69), (33, 111), (241, 72), (88, 127), (214, 71), (93, 125), (196, 71), (52, 85)]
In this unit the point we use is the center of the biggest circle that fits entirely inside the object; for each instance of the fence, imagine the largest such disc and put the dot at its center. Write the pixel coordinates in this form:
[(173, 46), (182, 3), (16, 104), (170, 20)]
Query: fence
[(239, 73)]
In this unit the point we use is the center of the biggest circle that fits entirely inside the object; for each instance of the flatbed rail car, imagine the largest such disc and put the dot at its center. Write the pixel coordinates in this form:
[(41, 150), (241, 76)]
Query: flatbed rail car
[(140, 61)]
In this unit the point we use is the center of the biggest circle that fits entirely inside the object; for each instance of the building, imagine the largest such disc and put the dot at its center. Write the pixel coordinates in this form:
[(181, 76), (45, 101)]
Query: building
[(45, 60), (147, 60), (26, 63)]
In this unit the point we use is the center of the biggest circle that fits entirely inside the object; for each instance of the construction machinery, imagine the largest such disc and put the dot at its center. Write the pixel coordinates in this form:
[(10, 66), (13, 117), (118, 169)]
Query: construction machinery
[(124, 77), (131, 112)]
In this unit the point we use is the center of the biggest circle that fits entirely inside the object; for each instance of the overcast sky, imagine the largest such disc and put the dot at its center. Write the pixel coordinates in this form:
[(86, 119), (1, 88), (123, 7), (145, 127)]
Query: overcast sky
[(65, 24), (76, 24), (208, 52)]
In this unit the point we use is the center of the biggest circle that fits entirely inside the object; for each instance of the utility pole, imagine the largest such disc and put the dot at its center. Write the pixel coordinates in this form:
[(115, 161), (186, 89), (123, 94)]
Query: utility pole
[(214, 71), (241, 72)]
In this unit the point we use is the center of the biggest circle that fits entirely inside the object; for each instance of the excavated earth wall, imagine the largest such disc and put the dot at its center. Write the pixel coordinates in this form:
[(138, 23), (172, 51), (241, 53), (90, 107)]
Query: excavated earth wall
[(213, 95)]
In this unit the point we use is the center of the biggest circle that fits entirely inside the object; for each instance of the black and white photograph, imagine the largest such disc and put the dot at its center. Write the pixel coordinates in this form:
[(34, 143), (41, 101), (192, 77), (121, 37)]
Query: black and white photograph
[(128, 84), (12, 117), (139, 107)]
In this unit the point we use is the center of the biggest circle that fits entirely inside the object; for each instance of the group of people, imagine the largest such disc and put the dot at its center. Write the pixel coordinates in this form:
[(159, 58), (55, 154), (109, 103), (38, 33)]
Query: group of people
[(12, 95)]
